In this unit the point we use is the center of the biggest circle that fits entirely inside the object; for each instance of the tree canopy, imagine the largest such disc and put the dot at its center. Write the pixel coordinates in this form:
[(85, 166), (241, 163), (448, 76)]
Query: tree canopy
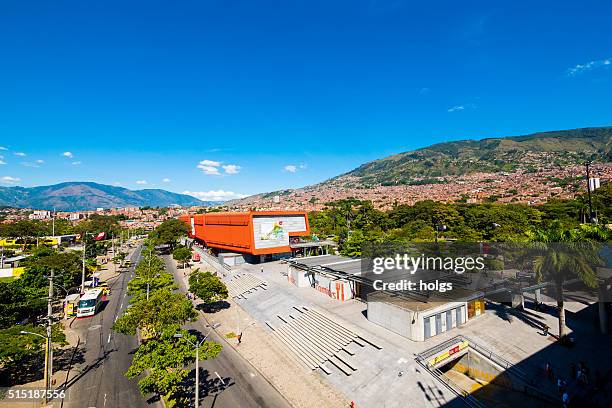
[(169, 232), (163, 308), (162, 361), (207, 286)]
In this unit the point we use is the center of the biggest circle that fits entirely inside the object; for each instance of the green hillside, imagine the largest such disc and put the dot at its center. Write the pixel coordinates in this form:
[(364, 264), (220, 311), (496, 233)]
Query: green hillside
[(528, 153)]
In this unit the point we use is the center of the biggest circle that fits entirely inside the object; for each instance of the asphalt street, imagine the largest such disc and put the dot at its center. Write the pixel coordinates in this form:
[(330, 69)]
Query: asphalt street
[(100, 380), (244, 385)]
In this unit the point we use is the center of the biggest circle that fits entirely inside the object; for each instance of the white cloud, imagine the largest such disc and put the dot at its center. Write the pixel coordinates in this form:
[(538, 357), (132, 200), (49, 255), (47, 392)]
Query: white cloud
[(39, 161), (68, 155), (209, 169), (290, 168), (20, 154), (77, 163), (30, 164), (424, 91), (141, 182), (303, 166), (456, 108), (212, 167), (215, 195), (2, 162), (211, 163), (580, 68), (231, 169), (166, 180), (116, 183), (9, 180), (3, 148)]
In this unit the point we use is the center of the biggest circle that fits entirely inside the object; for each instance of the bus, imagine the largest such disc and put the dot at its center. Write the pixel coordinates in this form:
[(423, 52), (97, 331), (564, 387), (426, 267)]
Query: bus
[(90, 303)]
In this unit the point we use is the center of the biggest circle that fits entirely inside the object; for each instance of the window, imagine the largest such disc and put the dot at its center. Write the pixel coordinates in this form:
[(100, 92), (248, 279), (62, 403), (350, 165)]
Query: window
[(87, 303)]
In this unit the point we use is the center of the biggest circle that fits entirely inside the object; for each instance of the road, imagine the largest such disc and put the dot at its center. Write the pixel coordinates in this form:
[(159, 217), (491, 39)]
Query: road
[(100, 380), (246, 387)]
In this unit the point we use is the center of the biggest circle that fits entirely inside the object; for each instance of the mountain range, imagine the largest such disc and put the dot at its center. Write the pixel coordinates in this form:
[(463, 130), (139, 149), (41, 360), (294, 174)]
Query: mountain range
[(82, 196), (528, 169)]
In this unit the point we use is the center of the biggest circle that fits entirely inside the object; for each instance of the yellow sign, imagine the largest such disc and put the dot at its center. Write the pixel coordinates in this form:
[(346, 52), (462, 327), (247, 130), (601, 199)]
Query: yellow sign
[(447, 353), (18, 271)]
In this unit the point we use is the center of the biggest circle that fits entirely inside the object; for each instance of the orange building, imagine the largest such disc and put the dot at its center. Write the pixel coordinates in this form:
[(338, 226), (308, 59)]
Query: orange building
[(253, 232)]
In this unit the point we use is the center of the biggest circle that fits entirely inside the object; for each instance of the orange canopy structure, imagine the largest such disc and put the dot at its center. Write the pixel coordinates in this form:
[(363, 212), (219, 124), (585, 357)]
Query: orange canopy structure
[(253, 232)]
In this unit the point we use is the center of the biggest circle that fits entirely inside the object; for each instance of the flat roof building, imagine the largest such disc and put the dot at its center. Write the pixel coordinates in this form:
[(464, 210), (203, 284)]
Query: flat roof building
[(253, 233), (415, 314)]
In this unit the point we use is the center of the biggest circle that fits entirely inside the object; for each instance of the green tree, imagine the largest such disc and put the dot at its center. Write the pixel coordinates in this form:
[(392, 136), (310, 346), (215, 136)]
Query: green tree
[(162, 362), (163, 308), (169, 232), (354, 244), (207, 286), (137, 288), (181, 254), (560, 255), (18, 350)]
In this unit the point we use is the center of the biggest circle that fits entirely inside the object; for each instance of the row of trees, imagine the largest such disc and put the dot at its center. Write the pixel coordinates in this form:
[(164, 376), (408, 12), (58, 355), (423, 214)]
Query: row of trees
[(157, 312), (23, 302)]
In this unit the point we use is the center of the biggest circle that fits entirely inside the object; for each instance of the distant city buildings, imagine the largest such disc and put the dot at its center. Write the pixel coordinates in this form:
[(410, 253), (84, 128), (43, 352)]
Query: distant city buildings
[(533, 187), (40, 215)]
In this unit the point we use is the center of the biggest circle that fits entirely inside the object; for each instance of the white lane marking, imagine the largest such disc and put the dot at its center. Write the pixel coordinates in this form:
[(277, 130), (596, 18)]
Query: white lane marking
[(125, 294), (121, 307), (104, 399), (116, 317), (109, 337)]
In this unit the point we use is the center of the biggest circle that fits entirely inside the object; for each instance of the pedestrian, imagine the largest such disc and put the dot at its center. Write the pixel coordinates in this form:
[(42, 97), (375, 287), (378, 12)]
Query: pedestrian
[(565, 399), (240, 338), (548, 371), (561, 385), (262, 269), (545, 330), (580, 376)]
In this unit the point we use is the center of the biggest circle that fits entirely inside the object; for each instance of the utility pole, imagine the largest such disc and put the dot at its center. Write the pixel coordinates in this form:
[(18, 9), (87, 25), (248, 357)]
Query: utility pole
[(49, 348), (83, 272), (53, 222), (592, 218)]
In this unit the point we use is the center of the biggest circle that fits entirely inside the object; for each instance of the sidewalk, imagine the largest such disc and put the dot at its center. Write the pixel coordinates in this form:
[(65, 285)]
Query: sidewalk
[(301, 387)]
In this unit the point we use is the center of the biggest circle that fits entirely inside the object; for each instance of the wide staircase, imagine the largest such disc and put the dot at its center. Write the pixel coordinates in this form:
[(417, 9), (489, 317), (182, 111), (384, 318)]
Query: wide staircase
[(316, 339)]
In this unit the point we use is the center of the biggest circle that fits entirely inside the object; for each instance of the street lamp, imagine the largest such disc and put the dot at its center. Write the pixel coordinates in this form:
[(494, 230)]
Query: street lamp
[(48, 361), (197, 364)]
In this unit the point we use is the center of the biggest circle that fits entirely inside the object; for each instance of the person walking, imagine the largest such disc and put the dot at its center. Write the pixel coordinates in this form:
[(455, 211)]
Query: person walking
[(560, 385), (565, 399), (548, 371)]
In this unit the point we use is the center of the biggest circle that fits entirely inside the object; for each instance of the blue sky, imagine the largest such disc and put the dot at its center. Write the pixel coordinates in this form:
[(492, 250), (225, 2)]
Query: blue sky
[(226, 97)]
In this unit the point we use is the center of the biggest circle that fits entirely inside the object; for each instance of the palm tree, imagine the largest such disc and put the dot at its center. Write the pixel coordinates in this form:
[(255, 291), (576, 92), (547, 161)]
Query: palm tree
[(562, 254)]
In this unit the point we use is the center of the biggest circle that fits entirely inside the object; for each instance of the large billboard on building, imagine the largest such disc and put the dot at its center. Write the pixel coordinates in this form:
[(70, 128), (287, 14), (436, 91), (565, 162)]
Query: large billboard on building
[(273, 231)]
